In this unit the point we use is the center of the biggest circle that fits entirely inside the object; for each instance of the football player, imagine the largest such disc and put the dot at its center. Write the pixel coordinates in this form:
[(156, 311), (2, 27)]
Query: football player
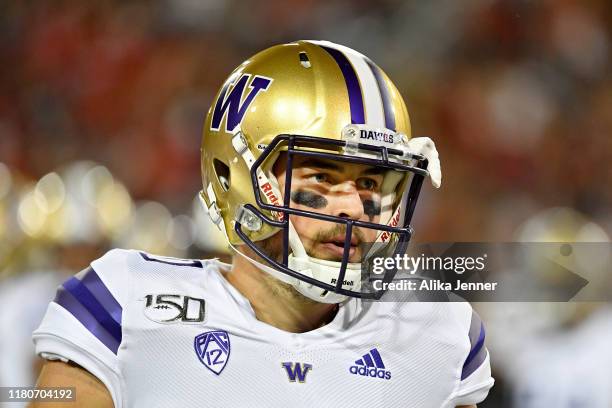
[(310, 171)]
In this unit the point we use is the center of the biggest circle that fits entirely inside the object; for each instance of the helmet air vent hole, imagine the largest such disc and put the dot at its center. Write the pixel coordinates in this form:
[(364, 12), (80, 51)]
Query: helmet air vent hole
[(304, 60), (223, 174)]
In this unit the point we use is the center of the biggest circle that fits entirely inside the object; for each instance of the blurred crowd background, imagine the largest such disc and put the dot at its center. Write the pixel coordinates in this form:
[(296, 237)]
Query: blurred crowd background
[(102, 103)]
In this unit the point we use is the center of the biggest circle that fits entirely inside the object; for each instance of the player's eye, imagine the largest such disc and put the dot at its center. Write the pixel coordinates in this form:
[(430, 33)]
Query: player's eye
[(366, 183), (319, 178)]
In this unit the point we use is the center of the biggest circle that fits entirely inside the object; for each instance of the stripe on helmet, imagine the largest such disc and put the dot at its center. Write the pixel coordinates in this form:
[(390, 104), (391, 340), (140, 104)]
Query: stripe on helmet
[(384, 93), (374, 113), (374, 107), (352, 84)]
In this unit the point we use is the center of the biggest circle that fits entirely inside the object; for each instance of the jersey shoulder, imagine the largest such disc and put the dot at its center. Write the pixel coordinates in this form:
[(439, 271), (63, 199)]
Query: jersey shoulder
[(110, 278), (120, 272), (450, 321), (452, 330), (97, 296), (475, 378), (86, 321)]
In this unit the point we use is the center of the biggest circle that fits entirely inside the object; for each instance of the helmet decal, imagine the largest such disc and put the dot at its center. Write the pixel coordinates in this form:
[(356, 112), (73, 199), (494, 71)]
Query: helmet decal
[(352, 84), (231, 104), (384, 93), (369, 95)]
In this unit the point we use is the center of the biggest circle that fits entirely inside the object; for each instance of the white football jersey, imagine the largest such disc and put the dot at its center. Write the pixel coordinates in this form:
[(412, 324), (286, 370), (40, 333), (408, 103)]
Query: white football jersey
[(166, 332)]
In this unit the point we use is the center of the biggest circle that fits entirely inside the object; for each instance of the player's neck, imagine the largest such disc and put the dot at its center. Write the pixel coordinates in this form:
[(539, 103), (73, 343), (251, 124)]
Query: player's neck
[(275, 302)]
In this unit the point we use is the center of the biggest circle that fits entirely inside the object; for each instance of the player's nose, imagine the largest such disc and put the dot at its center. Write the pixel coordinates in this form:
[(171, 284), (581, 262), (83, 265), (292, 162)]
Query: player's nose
[(347, 202)]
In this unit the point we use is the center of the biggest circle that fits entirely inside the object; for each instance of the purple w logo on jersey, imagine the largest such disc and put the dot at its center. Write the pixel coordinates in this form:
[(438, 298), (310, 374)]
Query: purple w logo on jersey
[(232, 105), (297, 371), (213, 349)]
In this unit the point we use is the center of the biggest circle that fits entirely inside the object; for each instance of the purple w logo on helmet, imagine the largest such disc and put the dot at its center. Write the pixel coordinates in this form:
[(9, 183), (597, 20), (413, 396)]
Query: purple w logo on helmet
[(233, 104)]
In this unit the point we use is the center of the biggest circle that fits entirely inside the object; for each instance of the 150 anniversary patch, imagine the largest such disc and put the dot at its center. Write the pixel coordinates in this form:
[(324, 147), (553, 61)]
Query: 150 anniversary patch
[(171, 308)]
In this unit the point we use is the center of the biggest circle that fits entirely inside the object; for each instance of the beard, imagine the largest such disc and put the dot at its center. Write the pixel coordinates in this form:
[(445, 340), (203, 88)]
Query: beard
[(273, 248), (284, 290)]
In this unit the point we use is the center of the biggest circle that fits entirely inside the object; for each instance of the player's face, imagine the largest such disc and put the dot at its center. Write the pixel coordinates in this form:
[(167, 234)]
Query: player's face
[(346, 190)]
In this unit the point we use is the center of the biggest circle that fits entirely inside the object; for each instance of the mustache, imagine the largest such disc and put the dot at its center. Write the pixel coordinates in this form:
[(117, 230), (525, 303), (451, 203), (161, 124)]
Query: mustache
[(327, 235)]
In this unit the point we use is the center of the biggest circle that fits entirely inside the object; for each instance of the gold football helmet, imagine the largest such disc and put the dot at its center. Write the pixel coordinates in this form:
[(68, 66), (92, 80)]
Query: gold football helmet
[(317, 99)]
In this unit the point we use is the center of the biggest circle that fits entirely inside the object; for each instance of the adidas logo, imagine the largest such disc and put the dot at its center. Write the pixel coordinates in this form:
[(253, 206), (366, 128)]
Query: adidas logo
[(371, 365)]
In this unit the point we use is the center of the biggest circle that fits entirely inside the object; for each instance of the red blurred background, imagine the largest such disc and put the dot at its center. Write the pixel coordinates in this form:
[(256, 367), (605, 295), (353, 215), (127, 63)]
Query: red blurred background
[(516, 94)]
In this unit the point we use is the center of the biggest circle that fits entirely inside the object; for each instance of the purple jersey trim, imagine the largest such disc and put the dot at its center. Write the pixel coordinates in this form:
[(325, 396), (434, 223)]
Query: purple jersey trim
[(92, 281), (66, 300), (90, 301), (478, 351)]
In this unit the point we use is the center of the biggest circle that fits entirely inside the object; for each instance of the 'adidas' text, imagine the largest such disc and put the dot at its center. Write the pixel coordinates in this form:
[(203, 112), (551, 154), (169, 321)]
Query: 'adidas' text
[(371, 365)]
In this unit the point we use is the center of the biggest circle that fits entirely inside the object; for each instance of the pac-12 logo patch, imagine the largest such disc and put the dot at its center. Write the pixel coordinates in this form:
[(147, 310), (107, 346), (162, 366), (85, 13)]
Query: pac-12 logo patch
[(232, 104), (213, 349)]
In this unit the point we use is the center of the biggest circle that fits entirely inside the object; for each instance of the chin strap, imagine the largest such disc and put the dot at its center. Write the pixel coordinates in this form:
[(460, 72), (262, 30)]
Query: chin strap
[(310, 291), (266, 268)]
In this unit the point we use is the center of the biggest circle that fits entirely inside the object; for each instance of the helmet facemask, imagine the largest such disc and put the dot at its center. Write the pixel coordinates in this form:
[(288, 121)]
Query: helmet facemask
[(309, 261)]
